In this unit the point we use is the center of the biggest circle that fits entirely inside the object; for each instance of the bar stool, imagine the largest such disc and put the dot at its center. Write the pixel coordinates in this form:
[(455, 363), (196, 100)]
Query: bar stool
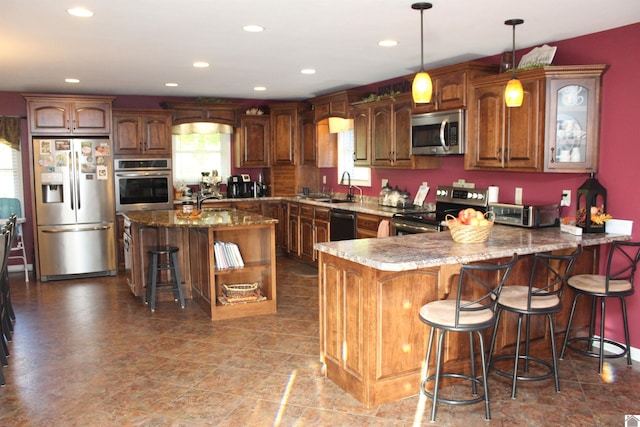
[(480, 283), (617, 282), (551, 271), (9, 207), (168, 262)]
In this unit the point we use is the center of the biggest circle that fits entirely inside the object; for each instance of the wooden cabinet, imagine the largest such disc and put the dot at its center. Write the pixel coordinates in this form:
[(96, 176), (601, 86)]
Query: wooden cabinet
[(320, 228), (293, 229), (214, 112), (334, 104), (256, 244), (382, 133), (361, 134), (284, 134), (306, 232), (69, 115), (308, 141), (391, 133), (541, 134), (451, 86), (142, 132), (252, 142), (367, 225), (501, 137), (274, 209)]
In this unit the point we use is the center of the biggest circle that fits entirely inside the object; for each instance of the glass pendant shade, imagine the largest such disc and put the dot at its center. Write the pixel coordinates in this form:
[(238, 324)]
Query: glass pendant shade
[(513, 93), (422, 88)]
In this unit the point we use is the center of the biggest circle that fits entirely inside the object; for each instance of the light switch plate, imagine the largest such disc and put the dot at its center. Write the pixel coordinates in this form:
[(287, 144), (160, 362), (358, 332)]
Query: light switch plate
[(566, 198), (518, 196)]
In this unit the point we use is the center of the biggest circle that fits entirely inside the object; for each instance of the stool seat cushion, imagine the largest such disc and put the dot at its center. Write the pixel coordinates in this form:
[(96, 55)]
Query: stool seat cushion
[(163, 249), (596, 284), (517, 297), (444, 313)]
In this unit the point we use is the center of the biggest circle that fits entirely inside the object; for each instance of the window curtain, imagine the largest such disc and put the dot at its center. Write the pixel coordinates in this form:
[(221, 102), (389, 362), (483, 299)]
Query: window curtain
[(10, 131)]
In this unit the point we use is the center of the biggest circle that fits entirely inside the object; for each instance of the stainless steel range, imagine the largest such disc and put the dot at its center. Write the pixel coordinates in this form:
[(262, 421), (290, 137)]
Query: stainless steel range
[(449, 200)]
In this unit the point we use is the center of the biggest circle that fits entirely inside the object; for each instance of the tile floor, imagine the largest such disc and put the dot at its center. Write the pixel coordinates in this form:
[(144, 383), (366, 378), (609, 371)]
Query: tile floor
[(87, 353)]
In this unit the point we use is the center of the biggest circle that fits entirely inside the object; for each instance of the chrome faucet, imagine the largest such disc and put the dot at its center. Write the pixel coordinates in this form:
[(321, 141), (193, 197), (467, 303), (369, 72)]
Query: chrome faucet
[(349, 188)]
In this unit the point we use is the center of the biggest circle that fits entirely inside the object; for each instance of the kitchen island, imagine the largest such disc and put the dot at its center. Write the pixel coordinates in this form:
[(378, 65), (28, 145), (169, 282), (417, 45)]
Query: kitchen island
[(202, 273), (371, 339)]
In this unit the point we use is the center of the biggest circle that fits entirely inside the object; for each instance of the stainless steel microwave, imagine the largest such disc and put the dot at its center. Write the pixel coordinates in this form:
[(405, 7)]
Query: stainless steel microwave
[(438, 134)]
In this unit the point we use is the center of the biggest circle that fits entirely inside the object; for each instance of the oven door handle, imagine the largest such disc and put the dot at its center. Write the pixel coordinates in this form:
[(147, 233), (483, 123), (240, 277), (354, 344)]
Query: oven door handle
[(443, 141), (400, 225), (141, 174)]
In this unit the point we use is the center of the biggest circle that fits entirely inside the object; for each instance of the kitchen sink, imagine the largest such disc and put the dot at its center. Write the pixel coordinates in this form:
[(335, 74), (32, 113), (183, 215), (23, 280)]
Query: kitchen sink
[(333, 200)]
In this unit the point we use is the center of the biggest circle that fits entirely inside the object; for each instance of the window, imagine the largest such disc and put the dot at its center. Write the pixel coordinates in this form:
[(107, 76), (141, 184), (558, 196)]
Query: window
[(194, 153), (360, 176), (11, 173)]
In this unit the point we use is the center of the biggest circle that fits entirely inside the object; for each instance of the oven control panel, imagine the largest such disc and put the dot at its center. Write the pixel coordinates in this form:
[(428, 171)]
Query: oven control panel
[(463, 196)]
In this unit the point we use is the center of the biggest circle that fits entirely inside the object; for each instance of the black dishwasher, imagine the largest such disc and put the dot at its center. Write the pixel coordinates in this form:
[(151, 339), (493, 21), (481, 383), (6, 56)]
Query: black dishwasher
[(342, 225)]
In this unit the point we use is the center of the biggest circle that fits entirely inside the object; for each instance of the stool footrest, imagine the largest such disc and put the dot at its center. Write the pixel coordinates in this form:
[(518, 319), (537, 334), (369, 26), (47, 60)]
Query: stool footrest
[(526, 359), (440, 399), (595, 353)]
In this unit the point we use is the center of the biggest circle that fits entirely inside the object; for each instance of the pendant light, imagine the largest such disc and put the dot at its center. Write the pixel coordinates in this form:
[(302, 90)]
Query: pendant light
[(422, 87), (513, 93)]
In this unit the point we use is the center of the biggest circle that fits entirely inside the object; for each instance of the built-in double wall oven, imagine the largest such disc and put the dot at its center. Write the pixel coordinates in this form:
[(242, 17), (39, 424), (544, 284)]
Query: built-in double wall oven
[(143, 184)]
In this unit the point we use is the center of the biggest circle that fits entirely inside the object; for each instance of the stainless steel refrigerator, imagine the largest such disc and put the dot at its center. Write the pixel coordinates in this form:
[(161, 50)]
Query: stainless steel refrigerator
[(75, 213)]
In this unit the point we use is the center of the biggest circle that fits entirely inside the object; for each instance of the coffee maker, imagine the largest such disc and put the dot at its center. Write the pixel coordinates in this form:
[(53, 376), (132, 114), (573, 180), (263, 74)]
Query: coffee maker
[(239, 186)]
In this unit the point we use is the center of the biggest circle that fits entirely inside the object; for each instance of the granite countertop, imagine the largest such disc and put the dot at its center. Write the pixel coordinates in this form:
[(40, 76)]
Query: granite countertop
[(208, 218), (414, 251)]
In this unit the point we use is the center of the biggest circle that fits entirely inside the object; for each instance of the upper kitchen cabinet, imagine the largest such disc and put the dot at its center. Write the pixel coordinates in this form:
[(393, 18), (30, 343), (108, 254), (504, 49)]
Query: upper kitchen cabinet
[(572, 126), (361, 134), (252, 142), (451, 86), (334, 104), (285, 132), (543, 133), (214, 112), (142, 132), (69, 115)]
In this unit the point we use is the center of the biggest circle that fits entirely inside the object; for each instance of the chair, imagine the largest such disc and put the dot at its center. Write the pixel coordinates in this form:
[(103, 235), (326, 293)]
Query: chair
[(5, 244), (552, 272), (170, 264), (9, 206), (471, 311), (617, 282)]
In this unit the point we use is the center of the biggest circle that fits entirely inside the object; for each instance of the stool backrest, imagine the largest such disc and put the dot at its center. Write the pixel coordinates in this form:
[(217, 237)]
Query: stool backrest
[(479, 286), (10, 206), (623, 262), (554, 270), (5, 247)]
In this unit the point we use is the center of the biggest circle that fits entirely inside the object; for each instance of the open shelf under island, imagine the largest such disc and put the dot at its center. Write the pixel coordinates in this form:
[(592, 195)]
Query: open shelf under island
[(372, 342), (253, 234)]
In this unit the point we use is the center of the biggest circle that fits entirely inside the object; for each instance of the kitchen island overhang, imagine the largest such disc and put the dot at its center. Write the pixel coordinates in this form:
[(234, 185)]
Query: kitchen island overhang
[(370, 291), (202, 273)]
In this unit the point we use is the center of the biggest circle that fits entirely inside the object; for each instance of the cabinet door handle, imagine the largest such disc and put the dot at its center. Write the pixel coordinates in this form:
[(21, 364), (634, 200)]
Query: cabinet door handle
[(354, 155), (390, 157), (553, 158), (499, 154)]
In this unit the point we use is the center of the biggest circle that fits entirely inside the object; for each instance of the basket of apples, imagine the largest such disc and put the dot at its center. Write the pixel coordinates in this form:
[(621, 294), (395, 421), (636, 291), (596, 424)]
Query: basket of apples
[(471, 226)]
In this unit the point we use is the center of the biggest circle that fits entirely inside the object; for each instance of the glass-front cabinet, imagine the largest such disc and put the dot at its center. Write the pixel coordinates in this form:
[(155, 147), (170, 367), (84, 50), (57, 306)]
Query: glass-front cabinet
[(572, 122)]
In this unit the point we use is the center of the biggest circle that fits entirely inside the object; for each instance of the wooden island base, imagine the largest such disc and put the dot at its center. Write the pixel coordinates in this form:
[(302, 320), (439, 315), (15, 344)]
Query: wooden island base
[(372, 341), (195, 237)]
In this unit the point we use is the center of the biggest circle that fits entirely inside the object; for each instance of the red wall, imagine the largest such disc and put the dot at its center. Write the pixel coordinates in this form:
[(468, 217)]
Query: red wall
[(619, 145)]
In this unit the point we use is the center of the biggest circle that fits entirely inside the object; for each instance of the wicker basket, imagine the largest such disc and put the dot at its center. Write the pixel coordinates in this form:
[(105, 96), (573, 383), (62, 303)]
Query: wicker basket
[(470, 233), (240, 290)]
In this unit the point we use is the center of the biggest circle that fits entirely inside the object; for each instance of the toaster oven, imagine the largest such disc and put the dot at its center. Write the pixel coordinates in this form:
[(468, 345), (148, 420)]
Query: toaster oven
[(528, 216)]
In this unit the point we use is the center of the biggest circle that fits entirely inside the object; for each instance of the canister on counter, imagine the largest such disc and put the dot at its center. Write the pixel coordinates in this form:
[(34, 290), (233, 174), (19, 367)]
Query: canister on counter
[(187, 207)]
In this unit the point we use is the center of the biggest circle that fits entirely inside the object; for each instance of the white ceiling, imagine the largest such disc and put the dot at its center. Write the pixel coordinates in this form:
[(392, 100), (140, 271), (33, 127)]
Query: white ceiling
[(133, 47)]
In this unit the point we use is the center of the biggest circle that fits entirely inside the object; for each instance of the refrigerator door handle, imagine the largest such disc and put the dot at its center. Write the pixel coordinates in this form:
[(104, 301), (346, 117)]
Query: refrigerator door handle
[(71, 186), (78, 179), (73, 230)]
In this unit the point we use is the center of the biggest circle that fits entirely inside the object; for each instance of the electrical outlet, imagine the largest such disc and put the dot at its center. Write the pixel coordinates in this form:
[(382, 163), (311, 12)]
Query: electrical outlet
[(324, 179), (566, 198), (518, 196), (384, 182)]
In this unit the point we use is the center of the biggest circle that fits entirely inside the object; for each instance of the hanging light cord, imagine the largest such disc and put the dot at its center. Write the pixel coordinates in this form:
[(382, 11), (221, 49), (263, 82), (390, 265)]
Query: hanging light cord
[(422, 39)]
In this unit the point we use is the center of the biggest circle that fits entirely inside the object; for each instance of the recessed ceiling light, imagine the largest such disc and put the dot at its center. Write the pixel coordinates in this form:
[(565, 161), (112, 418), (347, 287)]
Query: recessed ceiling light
[(80, 12), (72, 80), (388, 43), (308, 71), (171, 84), (200, 64), (259, 88), (253, 28)]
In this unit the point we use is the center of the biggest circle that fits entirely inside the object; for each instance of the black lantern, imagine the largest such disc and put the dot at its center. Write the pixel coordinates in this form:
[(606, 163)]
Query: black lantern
[(591, 206)]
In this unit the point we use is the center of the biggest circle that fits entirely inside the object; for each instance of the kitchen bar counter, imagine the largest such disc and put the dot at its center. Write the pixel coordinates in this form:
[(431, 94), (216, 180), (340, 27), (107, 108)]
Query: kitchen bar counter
[(202, 271), (415, 251), (372, 341)]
